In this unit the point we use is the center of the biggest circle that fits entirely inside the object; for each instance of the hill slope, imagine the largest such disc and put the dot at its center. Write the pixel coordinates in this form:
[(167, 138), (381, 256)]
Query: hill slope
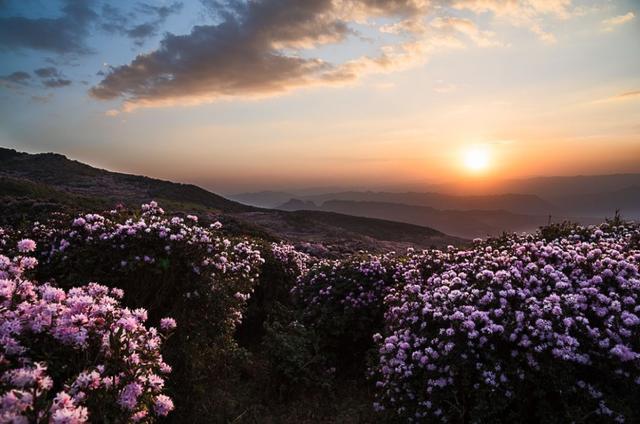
[(34, 183), (78, 178)]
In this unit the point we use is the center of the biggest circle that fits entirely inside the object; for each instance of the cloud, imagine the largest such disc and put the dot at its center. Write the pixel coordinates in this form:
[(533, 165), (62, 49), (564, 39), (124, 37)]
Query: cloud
[(68, 32), (15, 80), (629, 95), (52, 78), (626, 96), (64, 34), (469, 28), (263, 48), (47, 72), (17, 77), (443, 87), (611, 23), (56, 82), (248, 53), (114, 21), (523, 13)]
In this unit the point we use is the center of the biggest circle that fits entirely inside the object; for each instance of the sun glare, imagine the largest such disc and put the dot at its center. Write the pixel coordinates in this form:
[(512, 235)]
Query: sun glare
[(476, 158)]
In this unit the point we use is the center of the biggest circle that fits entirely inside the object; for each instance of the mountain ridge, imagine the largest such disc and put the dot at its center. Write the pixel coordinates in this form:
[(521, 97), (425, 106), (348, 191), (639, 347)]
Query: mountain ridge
[(49, 180)]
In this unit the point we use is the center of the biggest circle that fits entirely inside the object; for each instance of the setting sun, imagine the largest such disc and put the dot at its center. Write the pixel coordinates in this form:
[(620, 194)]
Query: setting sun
[(476, 158)]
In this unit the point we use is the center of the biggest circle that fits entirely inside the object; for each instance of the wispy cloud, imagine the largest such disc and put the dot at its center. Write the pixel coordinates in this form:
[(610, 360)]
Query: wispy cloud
[(523, 13), (50, 77), (626, 96), (611, 23), (469, 28), (42, 99), (15, 79), (113, 20)]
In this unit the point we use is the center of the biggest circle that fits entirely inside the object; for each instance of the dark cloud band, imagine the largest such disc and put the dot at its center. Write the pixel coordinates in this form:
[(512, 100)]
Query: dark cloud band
[(250, 52)]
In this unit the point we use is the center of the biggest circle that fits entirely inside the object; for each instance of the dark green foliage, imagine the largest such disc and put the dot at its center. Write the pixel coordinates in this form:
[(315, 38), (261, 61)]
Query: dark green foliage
[(343, 302), (294, 354), (558, 231)]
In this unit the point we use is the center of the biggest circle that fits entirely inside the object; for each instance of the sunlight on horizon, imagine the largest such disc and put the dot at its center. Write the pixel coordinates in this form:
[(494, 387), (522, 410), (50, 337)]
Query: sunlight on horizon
[(476, 158), (466, 93)]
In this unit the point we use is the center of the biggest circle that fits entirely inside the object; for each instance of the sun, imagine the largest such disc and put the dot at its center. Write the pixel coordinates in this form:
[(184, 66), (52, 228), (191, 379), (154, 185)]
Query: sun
[(476, 158)]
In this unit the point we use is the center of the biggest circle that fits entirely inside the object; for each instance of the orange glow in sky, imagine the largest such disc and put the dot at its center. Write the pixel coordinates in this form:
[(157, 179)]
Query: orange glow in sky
[(441, 92), (476, 158)]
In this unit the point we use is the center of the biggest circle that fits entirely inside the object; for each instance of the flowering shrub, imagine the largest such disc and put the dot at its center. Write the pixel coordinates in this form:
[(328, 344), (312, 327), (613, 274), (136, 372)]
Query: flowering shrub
[(71, 357), (169, 265), (540, 328), (521, 328), (294, 262), (343, 301), (159, 261)]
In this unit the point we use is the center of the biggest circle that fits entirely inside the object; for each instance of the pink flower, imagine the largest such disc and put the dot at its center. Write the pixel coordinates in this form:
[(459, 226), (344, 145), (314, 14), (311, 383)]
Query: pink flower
[(162, 405), (139, 416), (26, 245), (167, 324), (129, 395)]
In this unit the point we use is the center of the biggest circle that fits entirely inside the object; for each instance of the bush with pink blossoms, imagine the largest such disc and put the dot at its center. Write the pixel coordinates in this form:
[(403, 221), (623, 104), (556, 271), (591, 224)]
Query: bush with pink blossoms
[(75, 356), (521, 329), (170, 266), (342, 300)]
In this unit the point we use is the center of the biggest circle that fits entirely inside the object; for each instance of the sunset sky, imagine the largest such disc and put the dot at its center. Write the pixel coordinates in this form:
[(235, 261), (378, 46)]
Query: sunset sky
[(277, 94)]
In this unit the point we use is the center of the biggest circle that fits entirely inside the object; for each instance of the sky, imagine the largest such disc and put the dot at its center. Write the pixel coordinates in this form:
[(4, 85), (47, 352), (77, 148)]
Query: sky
[(284, 94)]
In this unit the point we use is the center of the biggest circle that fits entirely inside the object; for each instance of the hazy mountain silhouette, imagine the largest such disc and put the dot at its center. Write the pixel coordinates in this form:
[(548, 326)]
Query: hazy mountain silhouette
[(462, 223), (512, 202), (597, 196), (557, 187)]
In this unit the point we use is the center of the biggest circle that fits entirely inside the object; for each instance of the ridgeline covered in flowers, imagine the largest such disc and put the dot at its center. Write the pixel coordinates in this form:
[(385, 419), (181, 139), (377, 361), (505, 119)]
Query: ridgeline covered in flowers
[(542, 327)]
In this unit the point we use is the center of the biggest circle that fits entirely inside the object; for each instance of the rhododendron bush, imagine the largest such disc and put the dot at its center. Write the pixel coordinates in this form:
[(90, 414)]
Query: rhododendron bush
[(524, 328), (521, 327), (343, 301), (160, 261), (74, 356), (169, 265)]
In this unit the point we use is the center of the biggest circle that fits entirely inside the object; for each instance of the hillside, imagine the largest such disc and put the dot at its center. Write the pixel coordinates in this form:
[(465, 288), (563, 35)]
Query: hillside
[(40, 183), (70, 176)]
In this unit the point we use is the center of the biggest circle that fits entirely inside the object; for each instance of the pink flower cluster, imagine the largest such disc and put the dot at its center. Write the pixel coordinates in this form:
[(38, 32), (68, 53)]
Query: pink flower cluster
[(355, 283), (97, 351), (218, 264), (294, 261), (464, 332), (487, 324)]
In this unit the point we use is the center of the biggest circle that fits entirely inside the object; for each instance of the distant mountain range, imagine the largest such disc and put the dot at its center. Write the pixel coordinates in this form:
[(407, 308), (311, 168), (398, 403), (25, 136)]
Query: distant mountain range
[(558, 187), (32, 184), (581, 201), (519, 203), (584, 199), (462, 223)]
